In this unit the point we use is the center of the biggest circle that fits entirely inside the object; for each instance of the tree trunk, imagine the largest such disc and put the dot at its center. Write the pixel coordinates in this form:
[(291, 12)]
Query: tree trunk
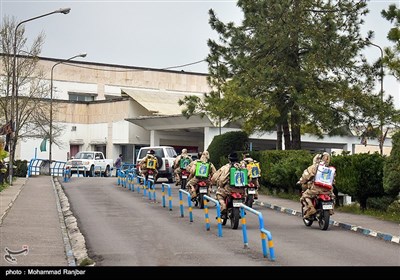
[(279, 134), (286, 133), (295, 125)]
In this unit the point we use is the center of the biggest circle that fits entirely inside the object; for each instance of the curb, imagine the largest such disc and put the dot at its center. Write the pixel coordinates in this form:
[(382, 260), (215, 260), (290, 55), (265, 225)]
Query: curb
[(11, 204), (75, 245), (364, 231), (66, 240)]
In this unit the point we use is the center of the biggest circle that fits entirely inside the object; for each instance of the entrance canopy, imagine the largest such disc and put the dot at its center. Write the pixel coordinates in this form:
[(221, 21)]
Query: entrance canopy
[(159, 102), (173, 122)]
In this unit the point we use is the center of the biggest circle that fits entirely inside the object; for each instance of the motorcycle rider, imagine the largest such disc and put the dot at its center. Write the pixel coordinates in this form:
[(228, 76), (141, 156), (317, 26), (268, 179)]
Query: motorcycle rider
[(193, 180), (181, 162), (248, 162), (149, 162), (311, 190), (221, 180)]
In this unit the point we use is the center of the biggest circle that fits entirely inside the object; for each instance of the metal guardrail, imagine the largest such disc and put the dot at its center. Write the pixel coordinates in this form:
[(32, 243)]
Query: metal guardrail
[(163, 185), (207, 219), (36, 165), (264, 233), (140, 183), (131, 180), (67, 175), (152, 189), (189, 199)]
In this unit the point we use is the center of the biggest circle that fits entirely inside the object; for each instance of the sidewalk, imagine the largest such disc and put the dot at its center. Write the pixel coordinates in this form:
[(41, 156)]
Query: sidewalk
[(31, 215), (30, 219)]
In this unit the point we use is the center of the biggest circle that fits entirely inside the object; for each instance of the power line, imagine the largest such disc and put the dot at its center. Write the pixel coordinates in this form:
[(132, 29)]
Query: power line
[(184, 65), (134, 70)]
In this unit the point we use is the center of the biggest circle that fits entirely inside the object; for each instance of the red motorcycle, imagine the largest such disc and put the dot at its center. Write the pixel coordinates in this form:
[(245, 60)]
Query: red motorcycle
[(184, 177), (233, 202), (251, 190), (323, 203), (202, 188), (151, 175)]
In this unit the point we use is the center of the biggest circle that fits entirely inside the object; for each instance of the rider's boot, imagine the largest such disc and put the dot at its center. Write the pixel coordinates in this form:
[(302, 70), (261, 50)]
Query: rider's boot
[(311, 210)]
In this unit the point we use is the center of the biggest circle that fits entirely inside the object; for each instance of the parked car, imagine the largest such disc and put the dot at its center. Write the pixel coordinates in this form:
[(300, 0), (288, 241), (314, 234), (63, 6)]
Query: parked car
[(90, 163), (165, 160)]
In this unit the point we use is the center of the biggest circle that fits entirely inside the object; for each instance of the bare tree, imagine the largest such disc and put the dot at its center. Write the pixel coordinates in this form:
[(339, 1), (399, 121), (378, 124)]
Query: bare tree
[(32, 100)]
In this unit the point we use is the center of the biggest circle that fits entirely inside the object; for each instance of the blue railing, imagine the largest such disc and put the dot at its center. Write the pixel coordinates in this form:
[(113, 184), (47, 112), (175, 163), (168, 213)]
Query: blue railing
[(163, 185), (36, 165), (264, 233), (189, 199), (206, 199), (152, 189)]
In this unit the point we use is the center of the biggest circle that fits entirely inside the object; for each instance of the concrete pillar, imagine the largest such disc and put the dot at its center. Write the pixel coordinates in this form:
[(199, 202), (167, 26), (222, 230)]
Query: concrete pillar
[(207, 140), (154, 138)]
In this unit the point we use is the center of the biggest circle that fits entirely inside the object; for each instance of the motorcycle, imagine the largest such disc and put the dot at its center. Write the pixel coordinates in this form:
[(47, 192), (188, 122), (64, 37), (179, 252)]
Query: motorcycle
[(184, 177), (201, 190), (233, 203), (151, 175), (324, 204), (251, 190)]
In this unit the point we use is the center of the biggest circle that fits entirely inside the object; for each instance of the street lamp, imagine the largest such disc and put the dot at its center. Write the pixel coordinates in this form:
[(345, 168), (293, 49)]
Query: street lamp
[(381, 94), (14, 96), (51, 104)]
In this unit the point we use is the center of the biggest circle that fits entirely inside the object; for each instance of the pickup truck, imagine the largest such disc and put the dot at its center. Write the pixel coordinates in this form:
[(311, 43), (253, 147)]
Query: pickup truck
[(90, 163)]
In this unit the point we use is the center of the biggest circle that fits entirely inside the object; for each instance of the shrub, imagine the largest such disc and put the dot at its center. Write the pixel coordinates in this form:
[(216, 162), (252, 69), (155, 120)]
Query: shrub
[(224, 144), (391, 170), (21, 168), (360, 176), (379, 203)]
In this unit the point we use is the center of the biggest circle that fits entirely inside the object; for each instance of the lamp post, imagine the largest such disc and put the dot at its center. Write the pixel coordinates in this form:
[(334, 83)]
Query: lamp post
[(51, 104), (381, 95), (14, 96)]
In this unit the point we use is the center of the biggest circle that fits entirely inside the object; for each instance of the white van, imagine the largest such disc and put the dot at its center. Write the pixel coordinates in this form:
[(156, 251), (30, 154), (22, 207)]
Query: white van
[(165, 160)]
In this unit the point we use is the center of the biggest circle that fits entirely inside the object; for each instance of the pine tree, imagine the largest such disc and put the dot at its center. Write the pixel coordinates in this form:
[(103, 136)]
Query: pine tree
[(292, 66)]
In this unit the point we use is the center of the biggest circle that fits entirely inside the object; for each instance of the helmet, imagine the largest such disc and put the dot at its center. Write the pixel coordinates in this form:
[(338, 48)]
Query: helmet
[(151, 152), (233, 157), (326, 157), (205, 156)]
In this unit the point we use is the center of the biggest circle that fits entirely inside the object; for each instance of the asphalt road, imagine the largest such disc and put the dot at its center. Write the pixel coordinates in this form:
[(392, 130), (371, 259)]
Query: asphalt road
[(125, 228)]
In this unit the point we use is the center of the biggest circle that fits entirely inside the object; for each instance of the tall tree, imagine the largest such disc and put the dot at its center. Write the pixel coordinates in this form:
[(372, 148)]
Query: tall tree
[(292, 66), (32, 89), (392, 55)]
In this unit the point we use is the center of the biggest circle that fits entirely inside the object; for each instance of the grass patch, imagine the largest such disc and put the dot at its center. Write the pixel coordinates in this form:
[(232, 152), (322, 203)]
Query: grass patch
[(3, 187), (381, 215), (86, 262), (284, 195)]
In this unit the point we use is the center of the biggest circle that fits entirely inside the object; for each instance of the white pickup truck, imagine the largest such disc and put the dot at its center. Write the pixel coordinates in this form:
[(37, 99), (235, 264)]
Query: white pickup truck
[(90, 164)]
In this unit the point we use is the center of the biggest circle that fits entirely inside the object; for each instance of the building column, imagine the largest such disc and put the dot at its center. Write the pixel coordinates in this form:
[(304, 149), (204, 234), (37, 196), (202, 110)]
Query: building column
[(154, 138), (208, 137)]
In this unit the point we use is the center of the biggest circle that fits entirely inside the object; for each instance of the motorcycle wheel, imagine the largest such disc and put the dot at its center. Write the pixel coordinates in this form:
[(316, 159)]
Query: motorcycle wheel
[(324, 220), (201, 201), (183, 184), (224, 221), (235, 216), (250, 200), (308, 222)]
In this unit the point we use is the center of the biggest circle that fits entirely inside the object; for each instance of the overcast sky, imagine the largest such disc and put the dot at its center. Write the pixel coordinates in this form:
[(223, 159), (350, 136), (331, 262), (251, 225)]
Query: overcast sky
[(156, 34)]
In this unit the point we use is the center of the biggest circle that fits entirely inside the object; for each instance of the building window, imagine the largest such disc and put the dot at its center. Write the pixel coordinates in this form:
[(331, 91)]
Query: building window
[(73, 96)]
